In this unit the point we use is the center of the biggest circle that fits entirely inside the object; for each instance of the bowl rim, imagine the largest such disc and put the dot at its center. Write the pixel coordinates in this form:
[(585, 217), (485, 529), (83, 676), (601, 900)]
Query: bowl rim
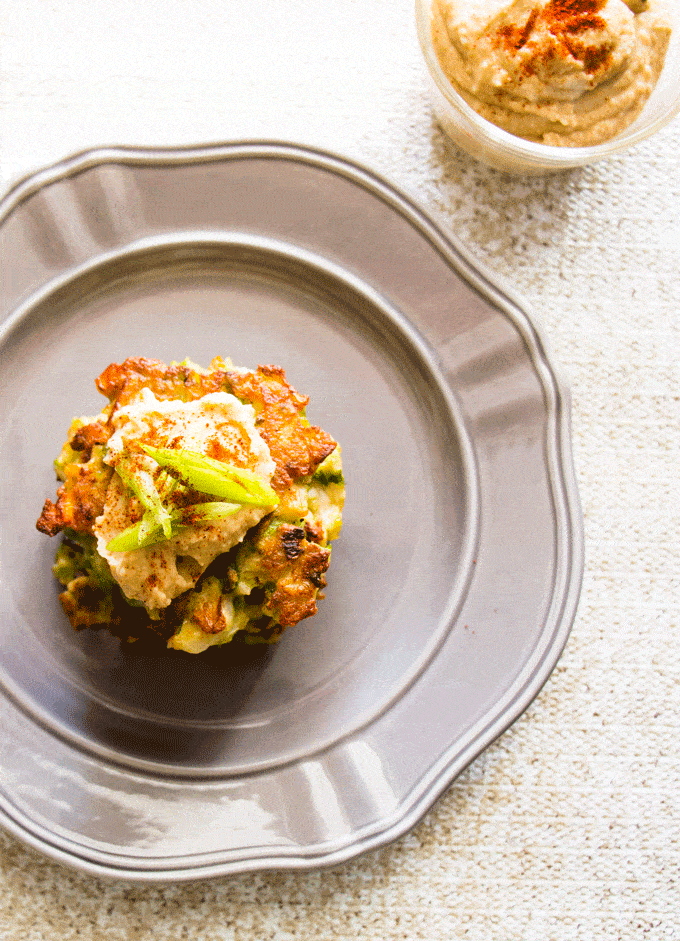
[(519, 147)]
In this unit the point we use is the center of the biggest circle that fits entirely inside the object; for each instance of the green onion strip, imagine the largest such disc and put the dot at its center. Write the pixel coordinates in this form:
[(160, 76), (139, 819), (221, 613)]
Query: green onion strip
[(236, 485), (141, 483), (134, 537)]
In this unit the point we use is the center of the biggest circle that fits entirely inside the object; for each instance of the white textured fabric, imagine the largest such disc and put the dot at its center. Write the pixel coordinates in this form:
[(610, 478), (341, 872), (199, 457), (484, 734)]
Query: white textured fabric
[(569, 826)]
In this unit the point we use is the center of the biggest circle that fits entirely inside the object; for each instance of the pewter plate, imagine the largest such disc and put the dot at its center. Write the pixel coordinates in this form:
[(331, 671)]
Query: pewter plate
[(454, 583)]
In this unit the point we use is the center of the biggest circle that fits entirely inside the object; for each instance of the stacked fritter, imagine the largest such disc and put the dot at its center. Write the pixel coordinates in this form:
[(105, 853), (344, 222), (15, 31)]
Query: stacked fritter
[(198, 507)]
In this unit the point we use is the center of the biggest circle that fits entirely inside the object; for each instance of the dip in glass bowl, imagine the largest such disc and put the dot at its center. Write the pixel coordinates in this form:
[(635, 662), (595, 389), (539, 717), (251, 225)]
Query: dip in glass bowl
[(497, 147)]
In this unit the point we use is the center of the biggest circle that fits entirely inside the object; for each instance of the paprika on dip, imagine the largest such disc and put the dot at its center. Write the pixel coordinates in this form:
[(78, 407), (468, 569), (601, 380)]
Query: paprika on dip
[(569, 73)]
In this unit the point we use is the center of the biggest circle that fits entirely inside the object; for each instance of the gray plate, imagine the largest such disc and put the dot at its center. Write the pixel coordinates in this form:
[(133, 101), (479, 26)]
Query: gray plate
[(454, 583)]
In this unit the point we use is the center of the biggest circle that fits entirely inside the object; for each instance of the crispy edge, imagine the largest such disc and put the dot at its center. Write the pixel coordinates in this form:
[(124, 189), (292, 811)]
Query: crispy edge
[(51, 521), (296, 446), (121, 382), (297, 567), (77, 506), (87, 436), (80, 499)]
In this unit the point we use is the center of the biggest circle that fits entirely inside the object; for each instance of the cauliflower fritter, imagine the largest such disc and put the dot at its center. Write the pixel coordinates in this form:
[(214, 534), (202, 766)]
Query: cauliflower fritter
[(267, 581)]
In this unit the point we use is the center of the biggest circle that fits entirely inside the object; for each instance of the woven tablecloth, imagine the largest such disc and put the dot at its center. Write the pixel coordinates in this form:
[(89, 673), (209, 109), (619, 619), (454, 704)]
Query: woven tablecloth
[(568, 827)]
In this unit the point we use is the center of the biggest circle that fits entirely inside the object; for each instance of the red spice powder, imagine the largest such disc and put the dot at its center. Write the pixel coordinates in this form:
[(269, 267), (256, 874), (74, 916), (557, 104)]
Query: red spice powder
[(516, 36), (564, 20)]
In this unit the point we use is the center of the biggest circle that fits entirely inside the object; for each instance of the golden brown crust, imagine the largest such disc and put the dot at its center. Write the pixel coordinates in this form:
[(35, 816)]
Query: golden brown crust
[(290, 560), (296, 447), (121, 382), (51, 520), (87, 436), (297, 567), (80, 500), (314, 531)]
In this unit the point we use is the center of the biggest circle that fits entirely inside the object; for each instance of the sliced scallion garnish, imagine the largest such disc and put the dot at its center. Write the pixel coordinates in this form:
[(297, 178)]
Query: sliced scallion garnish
[(140, 536), (141, 483), (215, 478)]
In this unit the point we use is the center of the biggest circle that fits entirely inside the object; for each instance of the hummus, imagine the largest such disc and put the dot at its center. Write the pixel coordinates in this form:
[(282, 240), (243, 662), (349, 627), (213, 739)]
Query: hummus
[(564, 72), (217, 425)]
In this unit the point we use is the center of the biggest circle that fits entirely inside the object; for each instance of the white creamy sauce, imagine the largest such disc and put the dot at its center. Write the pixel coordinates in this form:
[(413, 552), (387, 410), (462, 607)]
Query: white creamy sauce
[(217, 425)]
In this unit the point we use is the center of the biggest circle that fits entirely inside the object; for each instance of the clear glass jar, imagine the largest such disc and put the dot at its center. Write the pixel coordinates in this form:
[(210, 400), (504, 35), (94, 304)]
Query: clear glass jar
[(498, 148)]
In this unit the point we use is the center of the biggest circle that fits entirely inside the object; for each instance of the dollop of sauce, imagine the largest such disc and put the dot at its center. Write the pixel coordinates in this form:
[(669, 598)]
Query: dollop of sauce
[(217, 425)]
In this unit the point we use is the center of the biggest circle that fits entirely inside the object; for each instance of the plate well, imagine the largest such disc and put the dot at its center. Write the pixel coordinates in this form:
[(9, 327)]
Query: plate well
[(397, 572)]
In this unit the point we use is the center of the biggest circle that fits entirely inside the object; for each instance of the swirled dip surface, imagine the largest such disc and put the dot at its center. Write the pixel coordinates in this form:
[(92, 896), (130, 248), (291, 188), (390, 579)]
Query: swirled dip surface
[(565, 72)]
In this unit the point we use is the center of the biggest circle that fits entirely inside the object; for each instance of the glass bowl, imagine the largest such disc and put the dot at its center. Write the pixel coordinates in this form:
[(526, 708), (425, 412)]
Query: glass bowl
[(504, 151)]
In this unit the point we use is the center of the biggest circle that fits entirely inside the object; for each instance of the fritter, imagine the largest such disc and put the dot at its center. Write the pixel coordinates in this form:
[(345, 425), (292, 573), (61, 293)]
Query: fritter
[(197, 508)]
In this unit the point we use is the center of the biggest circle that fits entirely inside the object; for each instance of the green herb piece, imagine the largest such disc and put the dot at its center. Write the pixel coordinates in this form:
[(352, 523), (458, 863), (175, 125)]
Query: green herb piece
[(78, 555), (329, 471), (141, 483), (216, 478), (328, 476), (139, 537)]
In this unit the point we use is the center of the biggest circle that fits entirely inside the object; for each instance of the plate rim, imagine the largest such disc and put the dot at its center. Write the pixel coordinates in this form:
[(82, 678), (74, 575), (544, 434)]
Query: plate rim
[(529, 681)]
